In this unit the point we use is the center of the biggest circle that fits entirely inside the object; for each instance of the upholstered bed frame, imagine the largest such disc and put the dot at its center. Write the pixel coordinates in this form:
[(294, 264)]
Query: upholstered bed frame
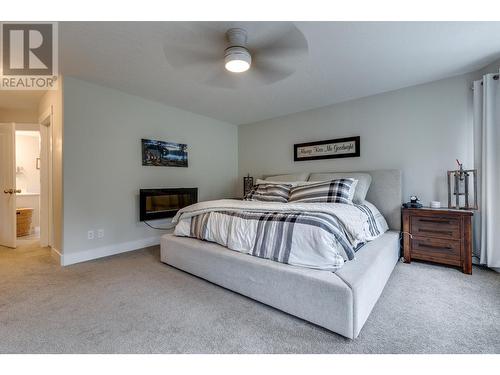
[(340, 302), (386, 194)]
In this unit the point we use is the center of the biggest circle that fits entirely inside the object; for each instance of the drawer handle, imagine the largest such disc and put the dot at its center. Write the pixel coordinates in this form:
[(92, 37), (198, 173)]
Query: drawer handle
[(435, 247), (435, 231), (435, 221)]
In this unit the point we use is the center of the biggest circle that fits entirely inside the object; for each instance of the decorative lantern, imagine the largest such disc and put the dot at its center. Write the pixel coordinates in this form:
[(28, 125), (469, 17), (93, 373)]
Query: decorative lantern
[(459, 184), (247, 184)]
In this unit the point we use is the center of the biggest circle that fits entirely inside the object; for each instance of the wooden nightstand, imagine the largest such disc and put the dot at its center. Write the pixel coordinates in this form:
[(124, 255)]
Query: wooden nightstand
[(438, 235)]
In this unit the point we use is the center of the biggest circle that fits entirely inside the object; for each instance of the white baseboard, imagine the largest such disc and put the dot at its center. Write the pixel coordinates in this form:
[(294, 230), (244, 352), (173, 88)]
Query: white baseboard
[(56, 254), (105, 251)]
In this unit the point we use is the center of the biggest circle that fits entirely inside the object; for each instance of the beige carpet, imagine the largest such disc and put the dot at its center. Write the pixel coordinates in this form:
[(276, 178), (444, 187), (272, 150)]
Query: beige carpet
[(132, 303)]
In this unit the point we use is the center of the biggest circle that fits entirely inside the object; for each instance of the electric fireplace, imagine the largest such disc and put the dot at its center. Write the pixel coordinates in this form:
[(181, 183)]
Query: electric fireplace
[(163, 203)]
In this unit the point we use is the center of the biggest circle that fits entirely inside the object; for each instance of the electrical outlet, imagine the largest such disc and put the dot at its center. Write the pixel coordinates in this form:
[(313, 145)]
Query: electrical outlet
[(90, 235), (100, 233)]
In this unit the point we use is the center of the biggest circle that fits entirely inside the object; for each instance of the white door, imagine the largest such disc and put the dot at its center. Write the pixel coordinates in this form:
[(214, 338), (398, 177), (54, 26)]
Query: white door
[(46, 233), (8, 185)]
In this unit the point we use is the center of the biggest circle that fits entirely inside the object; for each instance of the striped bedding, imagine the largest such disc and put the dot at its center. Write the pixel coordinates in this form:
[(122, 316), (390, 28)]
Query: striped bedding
[(314, 235)]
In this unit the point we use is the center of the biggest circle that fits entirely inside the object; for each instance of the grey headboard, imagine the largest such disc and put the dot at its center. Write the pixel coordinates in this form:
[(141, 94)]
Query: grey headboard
[(386, 194)]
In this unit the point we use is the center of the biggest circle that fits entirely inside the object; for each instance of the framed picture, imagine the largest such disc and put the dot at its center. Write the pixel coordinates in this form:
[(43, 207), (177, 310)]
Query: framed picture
[(330, 149), (164, 154)]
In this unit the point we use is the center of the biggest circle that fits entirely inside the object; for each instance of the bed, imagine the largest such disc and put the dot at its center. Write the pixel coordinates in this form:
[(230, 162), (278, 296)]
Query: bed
[(340, 301)]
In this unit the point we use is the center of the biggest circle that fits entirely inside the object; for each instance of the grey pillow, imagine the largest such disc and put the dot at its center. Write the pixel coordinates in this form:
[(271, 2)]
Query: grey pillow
[(364, 181)]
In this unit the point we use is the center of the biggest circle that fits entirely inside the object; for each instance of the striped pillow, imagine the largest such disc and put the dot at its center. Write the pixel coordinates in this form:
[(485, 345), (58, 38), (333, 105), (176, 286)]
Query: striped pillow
[(335, 191), (269, 193)]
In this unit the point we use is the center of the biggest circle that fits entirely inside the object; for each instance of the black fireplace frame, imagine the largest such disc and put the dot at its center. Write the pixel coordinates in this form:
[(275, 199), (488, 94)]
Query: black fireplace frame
[(145, 193)]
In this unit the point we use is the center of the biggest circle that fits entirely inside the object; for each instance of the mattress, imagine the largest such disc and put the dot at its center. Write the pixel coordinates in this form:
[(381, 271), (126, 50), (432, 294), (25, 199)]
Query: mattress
[(340, 301)]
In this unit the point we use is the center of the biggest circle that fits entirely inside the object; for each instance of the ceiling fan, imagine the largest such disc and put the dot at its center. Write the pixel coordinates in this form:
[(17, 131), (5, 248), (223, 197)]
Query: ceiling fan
[(236, 56), (232, 55)]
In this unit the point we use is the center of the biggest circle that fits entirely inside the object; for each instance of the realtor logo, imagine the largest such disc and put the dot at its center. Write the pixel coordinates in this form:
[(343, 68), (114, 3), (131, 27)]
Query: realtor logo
[(28, 56)]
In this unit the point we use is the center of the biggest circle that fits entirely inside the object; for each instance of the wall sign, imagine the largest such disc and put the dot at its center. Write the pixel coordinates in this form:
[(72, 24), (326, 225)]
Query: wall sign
[(330, 149)]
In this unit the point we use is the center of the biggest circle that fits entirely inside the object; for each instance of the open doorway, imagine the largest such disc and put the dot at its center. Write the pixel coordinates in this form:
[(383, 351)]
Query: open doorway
[(25, 170)]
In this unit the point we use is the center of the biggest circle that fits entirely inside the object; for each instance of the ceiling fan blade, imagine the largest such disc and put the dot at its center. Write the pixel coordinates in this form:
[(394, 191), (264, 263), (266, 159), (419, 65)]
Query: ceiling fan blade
[(196, 50), (268, 72), (195, 34), (194, 43), (287, 42), (224, 79), (182, 55)]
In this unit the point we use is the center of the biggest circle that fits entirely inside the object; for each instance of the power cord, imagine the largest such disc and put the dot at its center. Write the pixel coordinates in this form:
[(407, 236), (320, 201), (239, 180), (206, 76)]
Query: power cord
[(401, 234), (149, 225)]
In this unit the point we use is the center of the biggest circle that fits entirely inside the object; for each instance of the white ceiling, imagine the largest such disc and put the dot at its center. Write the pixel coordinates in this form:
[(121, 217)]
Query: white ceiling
[(345, 60)]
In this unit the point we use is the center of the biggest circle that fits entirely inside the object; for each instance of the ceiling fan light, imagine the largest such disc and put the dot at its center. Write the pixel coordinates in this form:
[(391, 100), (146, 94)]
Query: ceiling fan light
[(237, 66), (237, 59)]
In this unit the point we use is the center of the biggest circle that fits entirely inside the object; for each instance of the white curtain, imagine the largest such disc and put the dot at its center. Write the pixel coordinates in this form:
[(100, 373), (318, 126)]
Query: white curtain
[(487, 161)]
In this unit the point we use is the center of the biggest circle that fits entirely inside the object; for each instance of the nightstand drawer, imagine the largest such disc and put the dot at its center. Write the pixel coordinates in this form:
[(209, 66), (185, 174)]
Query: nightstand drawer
[(439, 227), (438, 235), (435, 247)]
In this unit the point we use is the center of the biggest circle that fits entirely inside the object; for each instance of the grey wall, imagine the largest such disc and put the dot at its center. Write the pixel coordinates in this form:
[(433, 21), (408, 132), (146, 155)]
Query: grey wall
[(420, 130), (102, 162)]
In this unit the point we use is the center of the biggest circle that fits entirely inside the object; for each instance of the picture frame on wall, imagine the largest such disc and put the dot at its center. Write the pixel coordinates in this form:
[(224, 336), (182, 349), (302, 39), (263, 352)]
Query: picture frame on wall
[(330, 149), (164, 154)]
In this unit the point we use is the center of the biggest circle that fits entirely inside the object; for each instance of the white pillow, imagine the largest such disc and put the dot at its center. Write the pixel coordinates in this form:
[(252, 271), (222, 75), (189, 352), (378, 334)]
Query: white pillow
[(288, 177), (378, 225)]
